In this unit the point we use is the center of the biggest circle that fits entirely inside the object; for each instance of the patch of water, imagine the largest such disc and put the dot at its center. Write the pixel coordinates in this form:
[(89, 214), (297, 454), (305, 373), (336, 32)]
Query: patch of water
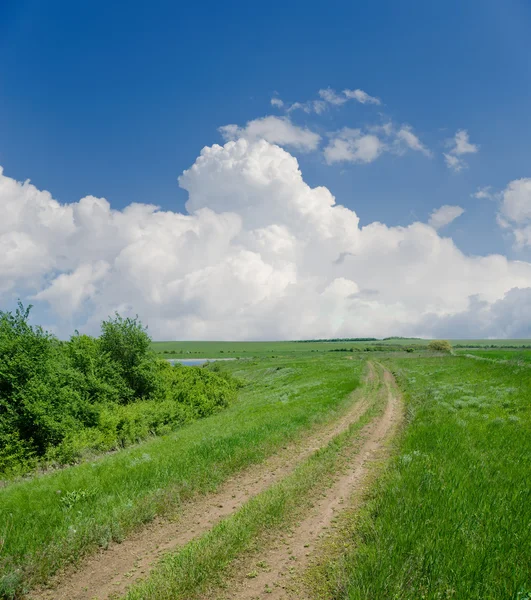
[(195, 362)]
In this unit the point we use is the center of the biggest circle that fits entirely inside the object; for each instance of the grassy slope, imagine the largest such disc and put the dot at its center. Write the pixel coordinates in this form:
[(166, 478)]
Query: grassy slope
[(38, 533), (452, 516)]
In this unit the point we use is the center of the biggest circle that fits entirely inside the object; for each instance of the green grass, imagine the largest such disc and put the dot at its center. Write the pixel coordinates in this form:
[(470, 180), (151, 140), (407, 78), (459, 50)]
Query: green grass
[(202, 563), (261, 349), (451, 518), (267, 349), (40, 531), (514, 355), (513, 343)]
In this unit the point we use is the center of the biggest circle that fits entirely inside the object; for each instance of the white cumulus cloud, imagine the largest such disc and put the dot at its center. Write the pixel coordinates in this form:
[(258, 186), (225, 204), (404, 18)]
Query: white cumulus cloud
[(405, 134), (444, 216), (460, 145), (259, 254), (509, 317), (329, 97), (515, 210), (277, 130), (351, 145), (484, 193), (361, 96), (365, 146)]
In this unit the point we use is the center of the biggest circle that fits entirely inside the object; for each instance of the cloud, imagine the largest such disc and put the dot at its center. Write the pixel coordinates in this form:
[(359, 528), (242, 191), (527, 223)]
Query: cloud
[(463, 145), (68, 291), (357, 146), (509, 317), (454, 162), (444, 216), (361, 97), (515, 210), (276, 130), (484, 193), (350, 145), (516, 201), (316, 106), (329, 97), (405, 134), (259, 254), (277, 102), (460, 145)]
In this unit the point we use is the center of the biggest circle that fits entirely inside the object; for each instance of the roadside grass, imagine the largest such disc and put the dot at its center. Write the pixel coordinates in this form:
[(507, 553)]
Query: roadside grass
[(451, 517), (204, 563), (56, 518)]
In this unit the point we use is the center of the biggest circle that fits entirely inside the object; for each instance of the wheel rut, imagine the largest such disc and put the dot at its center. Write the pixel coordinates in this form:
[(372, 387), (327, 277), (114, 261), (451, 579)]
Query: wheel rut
[(110, 572), (288, 556)]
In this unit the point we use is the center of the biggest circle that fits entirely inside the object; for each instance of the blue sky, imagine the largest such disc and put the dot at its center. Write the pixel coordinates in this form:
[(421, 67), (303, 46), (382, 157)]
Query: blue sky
[(115, 100)]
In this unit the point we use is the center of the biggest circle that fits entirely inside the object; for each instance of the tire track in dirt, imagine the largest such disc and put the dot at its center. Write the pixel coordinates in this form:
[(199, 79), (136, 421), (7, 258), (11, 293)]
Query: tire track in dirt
[(288, 556), (112, 571)]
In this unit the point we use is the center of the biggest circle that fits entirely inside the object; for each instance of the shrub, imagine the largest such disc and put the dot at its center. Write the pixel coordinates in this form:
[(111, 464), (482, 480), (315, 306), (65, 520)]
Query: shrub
[(62, 400), (440, 346), (127, 344)]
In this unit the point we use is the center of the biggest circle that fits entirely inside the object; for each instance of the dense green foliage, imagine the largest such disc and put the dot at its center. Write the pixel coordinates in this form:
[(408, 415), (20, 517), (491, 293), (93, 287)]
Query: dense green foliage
[(451, 518), (281, 399), (440, 346), (61, 400)]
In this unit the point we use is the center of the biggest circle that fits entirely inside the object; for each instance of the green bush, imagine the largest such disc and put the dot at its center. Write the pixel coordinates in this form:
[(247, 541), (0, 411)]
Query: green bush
[(60, 401), (440, 346)]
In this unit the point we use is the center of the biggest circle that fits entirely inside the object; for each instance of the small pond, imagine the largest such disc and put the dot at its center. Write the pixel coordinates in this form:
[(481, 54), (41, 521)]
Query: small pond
[(195, 362)]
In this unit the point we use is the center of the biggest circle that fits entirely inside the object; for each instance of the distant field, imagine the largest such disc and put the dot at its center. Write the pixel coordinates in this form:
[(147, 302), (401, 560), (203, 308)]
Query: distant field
[(248, 349), (448, 518), (521, 343), (513, 354)]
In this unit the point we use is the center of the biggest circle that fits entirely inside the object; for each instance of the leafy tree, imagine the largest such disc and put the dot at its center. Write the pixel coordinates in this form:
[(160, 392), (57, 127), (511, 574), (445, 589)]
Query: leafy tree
[(127, 344)]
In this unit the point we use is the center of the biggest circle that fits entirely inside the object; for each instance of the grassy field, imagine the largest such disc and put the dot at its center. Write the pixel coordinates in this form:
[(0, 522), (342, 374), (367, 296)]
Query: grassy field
[(448, 518), (268, 349), (50, 520), (516, 343), (451, 518), (263, 349), (513, 355), (203, 563)]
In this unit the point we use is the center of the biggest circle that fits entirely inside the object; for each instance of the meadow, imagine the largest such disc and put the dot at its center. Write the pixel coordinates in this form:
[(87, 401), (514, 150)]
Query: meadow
[(250, 349), (520, 355), (451, 516), (56, 518), (258, 349), (447, 514)]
